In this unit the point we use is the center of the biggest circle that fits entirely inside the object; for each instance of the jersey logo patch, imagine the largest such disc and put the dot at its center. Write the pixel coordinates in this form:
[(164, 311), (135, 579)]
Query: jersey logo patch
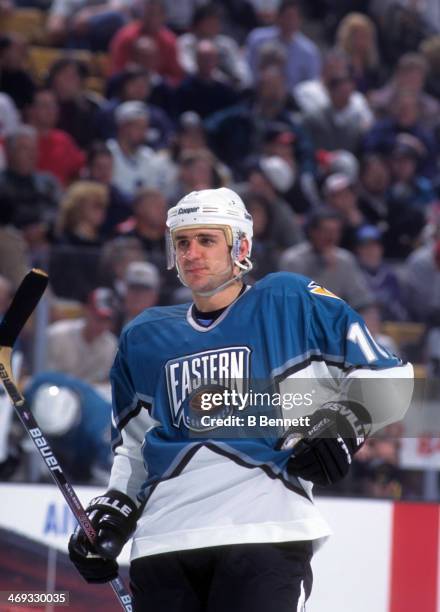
[(315, 288), (205, 372)]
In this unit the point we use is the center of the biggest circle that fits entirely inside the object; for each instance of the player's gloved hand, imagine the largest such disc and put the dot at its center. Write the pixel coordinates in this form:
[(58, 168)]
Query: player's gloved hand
[(322, 452), (113, 515)]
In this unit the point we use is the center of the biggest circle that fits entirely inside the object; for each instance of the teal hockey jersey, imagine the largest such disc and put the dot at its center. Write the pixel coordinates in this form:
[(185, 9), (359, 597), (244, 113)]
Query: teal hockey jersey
[(204, 482)]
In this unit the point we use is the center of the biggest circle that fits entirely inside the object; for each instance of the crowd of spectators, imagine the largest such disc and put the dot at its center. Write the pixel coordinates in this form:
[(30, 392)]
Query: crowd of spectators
[(325, 118)]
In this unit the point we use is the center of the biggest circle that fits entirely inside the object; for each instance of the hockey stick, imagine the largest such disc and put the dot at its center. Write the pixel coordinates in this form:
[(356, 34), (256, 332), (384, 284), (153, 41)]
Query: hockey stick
[(25, 300)]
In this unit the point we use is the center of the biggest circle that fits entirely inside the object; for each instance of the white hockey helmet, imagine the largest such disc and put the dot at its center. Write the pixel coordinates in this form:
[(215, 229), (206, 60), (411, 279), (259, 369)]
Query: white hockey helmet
[(217, 209)]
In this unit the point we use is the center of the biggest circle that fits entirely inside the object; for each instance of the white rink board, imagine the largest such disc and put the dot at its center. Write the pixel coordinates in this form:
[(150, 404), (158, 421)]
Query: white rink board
[(351, 571)]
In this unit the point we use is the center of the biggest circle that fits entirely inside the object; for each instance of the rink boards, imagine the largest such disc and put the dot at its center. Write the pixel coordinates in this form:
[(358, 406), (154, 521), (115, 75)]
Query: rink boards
[(383, 556)]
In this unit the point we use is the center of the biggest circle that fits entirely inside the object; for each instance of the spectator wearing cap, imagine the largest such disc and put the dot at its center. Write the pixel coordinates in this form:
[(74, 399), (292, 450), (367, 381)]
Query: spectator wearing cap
[(57, 151), (407, 185), (133, 84), (207, 25), (320, 257), (135, 164), (303, 57), (341, 196), (86, 24), (142, 289), (75, 254), (152, 24), (405, 117), (77, 106), (280, 141), (409, 198), (342, 161), (204, 91), (380, 277), (86, 347)]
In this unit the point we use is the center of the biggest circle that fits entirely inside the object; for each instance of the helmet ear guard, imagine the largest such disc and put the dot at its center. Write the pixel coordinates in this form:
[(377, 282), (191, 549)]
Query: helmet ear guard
[(245, 265), (170, 250)]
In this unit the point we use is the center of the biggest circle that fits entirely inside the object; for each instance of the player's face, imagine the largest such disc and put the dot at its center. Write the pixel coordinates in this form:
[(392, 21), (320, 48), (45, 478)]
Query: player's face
[(203, 258)]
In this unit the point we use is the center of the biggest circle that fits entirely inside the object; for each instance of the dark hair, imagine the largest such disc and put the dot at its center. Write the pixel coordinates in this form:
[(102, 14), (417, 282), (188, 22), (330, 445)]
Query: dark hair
[(252, 198), (369, 158), (205, 11), (317, 217), (62, 63), (5, 42), (97, 147), (40, 89), (127, 75), (287, 4)]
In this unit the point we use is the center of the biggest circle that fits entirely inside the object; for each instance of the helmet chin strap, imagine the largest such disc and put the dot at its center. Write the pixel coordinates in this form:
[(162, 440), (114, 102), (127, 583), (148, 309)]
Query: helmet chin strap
[(244, 269)]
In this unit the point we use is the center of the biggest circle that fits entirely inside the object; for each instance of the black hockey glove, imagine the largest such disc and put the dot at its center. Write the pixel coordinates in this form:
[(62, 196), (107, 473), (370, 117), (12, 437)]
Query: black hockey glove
[(113, 515), (322, 452)]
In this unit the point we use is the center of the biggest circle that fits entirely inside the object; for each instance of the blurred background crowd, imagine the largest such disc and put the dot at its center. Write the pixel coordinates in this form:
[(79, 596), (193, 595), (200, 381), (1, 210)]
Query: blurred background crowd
[(323, 115)]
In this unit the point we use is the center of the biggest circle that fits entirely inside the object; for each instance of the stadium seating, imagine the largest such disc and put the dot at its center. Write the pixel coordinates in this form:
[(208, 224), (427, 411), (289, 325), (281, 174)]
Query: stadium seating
[(41, 59), (29, 22)]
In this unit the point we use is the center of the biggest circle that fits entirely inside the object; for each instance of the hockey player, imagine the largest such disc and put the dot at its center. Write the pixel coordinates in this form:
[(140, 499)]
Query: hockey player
[(227, 521)]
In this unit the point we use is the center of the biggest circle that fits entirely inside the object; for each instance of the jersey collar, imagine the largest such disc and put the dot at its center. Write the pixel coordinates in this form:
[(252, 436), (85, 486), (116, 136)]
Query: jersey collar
[(195, 325)]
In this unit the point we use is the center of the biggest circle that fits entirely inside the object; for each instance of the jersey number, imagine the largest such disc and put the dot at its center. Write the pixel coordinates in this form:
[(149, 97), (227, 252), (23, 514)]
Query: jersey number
[(365, 341)]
